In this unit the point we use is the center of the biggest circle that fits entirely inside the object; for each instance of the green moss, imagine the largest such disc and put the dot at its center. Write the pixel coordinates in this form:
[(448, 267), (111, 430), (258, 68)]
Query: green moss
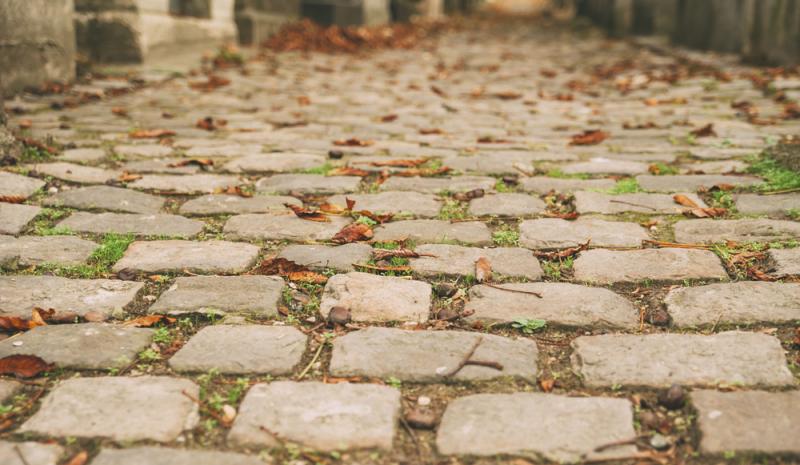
[(453, 210), (99, 264), (625, 186), (776, 177), (324, 169), (557, 173), (506, 237), (662, 169)]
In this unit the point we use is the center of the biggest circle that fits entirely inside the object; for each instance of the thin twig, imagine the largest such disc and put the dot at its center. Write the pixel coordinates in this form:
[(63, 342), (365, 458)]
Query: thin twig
[(382, 268), (310, 457), (513, 290), (464, 360), (313, 360), (623, 442), (486, 363), (785, 191), (209, 411), (413, 436), (633, 204), (21, 457), (676, 245)]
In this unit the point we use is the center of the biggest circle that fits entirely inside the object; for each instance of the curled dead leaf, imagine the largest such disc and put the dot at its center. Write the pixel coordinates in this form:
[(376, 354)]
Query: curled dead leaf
[(347, 171), (353, 232), (210, 123), (388, 118), (213, 82), (308, 214), (705, 131), (147, 321), (353, 142), (151, 133), (39, 317), (202, 162), (685, 201), (289, 270), (128, 177), (566, 253), (590, 137), (547, 384), (483, 270), (119, 111), (401, 163), (422, 172), (78, 459), (12, 198), (23, 366), (469, 195)]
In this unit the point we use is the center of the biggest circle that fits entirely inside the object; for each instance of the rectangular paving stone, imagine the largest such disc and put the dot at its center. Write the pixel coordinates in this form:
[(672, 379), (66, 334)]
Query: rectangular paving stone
[(223, 150), (787, 261), (455, 260), (394, 202), (120, 408), (251, 295), (730, 358), (371, 297), (275, 162), (14, 217), (224, 204), (748, 421), (75, 173), (29, 453), (106, 297), (602, 165), (691, 182), (197, 257), (316, 184), (90, 346), (280, 227), (603, 266), (743, 302), (106, 198), (179, 184), (321, 416), (242, 349), (755, 204), (320, 257), (558, 428), (708, 231), (149, 455), (555, 233), (143, 151), (34, 250), (715, 167), (506, 205), (160, 166), (543, 185), (430, 356), (16, 185), (502, 162), (158, 224), (438, 185), (560, 304), (651, 204), (421, 231)]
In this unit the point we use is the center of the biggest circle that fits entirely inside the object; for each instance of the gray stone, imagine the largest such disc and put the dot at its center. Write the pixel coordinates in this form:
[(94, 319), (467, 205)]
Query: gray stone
[(34, 250), (471, 232), (275, 162), (438, 185), (754, 204), (224, 150), (7, 389), (15, 185), (554, 233), (455, 260), (21, 294), (308, 184), (734, 303), (75, 173), (430, 356), (107, 198), (252, 295), (223, 204), (242, 349), (716, 167), (119, 408), (195, 257), (394, 202), (602, 165), (691, 182), (90, 346), (502, 162), (745, 230), (274, 227), (322, 416), (651, 204), (787, 261), (506, 205), (748, 421), (194, 184), (611, 266), (14, 217), (320, 257), (372, 297), (565, 429), (730, 358), (83, 155), (143, 150), (543, 185), (33, 453), (157, 224), (560, 304), (160, 166), (162, 456), (720, 152)]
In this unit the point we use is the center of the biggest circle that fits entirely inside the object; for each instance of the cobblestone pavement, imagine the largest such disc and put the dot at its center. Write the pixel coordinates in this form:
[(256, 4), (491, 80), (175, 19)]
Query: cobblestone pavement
[(643, 306)]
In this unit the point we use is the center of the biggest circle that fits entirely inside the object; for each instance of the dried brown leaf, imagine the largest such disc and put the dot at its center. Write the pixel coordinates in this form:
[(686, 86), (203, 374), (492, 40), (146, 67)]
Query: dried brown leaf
[(353, 232), (147, 321), (685, 201), (483, 270), (151, 133), (307, 214), (590, 137), (23, 366), (705, 131), (353, 142)]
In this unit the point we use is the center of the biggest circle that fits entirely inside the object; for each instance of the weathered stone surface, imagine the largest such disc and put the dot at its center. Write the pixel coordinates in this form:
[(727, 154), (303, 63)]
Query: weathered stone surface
[(397, 203), (560, 304), (164, 456), (787, 261), (613, 266), (318, 415), (222, 204), (737, 303), (160, 166), (566, 429), (7, 389), (716, 167), (746, 359), (602, 165), (33, 453), (543, 185), (554, 233), (118, 408), (506, 205), (502, 162), (33, 250), (90, 346), (157, 224), (252, 295), (430, 356), (14, 217), (712, 153), (15, 185), (748, 421), (307, 184), (746, 230), (107, 198), (438, 185), (274, 162), (75, 173), (472, 232), (754, 204), (178, 184), (371, 297), (196, 257), (274, 227), (455, 260), (143, 150), (21, 294), (223, 149), (691, 182), (652, 204), (339, 258), (242, 349)]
